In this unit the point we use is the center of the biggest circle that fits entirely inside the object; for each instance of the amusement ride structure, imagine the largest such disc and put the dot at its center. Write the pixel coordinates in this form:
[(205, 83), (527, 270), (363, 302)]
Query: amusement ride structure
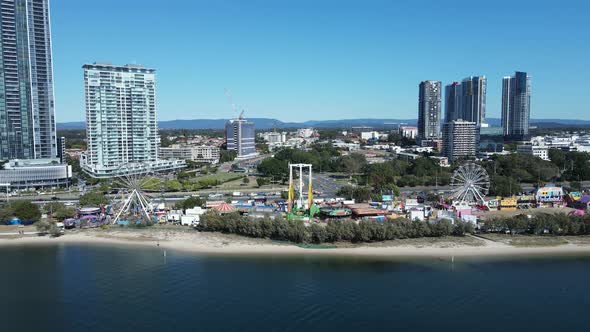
[(133, 203), (299, 208), (470, 184)]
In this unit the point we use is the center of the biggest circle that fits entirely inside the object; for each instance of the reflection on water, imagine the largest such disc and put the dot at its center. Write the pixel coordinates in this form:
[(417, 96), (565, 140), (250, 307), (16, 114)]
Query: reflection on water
[(101, 288)]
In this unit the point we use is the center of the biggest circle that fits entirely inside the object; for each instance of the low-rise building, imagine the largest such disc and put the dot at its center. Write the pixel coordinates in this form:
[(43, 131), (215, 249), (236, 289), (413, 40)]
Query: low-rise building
[(347, 146), (540, 151), (408, 132), (369, 135), (201, 154), (35, 173), (406, 156), (305, 132), (274, 137)]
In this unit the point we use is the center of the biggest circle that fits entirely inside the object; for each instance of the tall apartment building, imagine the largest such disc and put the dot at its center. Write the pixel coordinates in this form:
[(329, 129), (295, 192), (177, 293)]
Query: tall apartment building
[(466, 100), (27, 116), (61, 149), (121, 125), (516, 105), (429, 110), (460, 140), (453, 102), (473, 98), (239, 136)]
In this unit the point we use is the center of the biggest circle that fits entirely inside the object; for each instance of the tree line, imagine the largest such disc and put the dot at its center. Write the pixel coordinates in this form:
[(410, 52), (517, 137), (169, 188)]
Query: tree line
[(334, 231), (543, 223)]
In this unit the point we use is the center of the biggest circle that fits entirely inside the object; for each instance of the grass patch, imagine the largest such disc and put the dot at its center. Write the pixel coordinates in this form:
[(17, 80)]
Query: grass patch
[(220, 178), (527, 240), (438, 242), (317, 246)]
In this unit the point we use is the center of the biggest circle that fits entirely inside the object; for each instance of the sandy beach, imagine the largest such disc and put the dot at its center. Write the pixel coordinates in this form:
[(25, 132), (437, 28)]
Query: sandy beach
[(214, 243)]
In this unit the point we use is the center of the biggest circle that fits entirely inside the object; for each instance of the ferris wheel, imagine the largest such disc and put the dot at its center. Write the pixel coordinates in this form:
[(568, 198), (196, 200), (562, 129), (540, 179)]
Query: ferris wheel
[(470, 184), (132, 201)]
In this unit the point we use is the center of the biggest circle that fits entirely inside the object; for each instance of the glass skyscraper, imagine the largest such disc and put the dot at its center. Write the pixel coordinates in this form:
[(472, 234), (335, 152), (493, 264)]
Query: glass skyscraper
[(466, 100), (453, 102), (239, 136), (27, 116), (516, 105), (429, 110), (473, 97)]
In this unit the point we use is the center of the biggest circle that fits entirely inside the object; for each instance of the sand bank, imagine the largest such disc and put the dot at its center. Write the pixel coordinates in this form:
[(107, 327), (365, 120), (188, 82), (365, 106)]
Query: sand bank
[(211, 243)]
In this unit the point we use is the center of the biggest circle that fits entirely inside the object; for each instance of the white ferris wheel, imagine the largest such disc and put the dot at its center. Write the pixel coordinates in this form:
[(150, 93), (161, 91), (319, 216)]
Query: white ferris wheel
[(470, 184), (132, 199)]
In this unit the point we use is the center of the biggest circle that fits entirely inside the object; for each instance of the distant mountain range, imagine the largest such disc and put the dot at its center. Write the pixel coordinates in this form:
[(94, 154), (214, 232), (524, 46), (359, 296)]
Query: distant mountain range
[(267, 123)]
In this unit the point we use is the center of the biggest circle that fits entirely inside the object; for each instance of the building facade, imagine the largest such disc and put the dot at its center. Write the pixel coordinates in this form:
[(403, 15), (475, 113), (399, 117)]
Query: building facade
[(274, 137), (460, 140), (61, 149), (35, 174), (305, 132), (540, 151), (453, 102), (429, 111), (200, 154), (27, 115), (408, 132), (473, 99), (239, 136), (516, 105), (121, 124)]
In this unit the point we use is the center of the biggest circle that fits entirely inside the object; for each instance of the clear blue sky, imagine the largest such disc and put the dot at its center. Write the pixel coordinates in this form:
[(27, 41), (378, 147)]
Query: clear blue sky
[(312, 59)]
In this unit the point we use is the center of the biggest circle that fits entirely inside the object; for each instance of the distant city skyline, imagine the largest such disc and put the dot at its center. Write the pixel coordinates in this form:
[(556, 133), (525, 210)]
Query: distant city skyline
[(321, 60)]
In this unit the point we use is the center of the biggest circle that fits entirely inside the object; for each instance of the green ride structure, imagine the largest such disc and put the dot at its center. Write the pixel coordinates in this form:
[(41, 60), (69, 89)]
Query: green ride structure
[(299, 208)]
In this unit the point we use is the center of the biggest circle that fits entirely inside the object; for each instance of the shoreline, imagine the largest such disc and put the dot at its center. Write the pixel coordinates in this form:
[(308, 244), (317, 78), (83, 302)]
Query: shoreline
[(219, 244)]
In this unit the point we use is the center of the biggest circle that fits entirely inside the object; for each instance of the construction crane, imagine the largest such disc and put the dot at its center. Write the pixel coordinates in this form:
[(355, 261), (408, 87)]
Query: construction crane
[(233, 105)]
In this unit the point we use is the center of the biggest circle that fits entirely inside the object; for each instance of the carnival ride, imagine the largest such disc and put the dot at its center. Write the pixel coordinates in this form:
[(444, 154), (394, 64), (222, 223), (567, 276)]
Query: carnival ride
[(133, 204), (300, 204), (470, 184)]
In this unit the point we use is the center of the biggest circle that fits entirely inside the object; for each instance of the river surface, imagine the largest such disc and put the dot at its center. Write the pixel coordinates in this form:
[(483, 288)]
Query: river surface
[(104, 288)]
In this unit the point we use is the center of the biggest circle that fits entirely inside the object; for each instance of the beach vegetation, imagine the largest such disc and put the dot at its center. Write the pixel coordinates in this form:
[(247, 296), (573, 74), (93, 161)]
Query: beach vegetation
[(346, 230), (25, 211), (539, 224)]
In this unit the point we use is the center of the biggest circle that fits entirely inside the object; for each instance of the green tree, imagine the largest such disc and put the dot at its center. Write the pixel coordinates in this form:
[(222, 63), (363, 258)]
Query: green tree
[(504, 186), (26, 211), (190, 203), (93, 198), (318, 233), (64, 213), (361, 194), (353, 163), (43, 226), (260, 181), (227, 155), (52, 207), (47, 227), (173, 185), (273, 168)]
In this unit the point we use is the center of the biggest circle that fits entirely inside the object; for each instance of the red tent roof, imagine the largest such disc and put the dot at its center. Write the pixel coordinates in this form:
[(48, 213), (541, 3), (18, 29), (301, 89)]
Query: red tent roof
[(224, 207)]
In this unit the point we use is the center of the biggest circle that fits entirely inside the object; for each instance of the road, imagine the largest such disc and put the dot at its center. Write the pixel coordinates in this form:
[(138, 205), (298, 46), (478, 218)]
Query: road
[(322, 182), (326, 184)]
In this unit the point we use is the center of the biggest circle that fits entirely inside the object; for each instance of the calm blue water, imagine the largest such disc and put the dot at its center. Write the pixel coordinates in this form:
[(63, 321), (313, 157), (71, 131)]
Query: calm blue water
[(99, 288)]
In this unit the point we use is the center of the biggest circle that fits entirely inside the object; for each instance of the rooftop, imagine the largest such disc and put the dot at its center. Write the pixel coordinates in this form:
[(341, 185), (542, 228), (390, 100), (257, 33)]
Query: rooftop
[(123, 68)]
